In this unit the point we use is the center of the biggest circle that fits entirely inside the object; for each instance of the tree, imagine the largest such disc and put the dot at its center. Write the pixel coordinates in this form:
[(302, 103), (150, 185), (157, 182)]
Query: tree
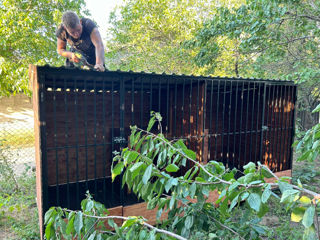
[(273, 39), (147, 35), (27, 36)]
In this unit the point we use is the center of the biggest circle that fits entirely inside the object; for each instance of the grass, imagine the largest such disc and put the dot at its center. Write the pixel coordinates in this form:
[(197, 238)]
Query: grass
[(18, 137), (18, 211)]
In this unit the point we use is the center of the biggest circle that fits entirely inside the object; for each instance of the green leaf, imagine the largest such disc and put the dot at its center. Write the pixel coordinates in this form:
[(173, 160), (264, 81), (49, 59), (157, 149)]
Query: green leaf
[(289, 195), (254, 201), (78, 223), (310, 234), (234, 203), (297, 214), (92, 236), (117, 170), (308, 216), (190, 154), (266, 194), (172, 168), (188, 222), (317, 109), (147, 174), (249, 168), (233, 186), (129, 222), (151, 123), (70, 225)]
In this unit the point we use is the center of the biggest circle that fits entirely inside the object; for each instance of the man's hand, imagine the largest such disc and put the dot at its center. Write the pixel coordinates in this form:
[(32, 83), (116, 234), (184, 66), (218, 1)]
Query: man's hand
[(99, 67), (74, 58)]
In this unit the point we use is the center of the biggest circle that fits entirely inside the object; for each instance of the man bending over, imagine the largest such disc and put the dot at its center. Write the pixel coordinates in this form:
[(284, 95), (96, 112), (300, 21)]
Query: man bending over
[(83, 36)]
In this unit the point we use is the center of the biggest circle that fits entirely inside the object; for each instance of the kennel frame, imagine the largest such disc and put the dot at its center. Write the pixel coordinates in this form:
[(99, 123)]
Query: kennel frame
[(195, 102)]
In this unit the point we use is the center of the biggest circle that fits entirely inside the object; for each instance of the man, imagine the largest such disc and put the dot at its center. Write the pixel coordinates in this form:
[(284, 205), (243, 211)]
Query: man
[(83, 36)]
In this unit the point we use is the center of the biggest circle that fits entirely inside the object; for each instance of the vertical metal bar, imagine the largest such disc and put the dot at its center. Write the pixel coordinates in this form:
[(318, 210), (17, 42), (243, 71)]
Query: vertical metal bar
[(175, 111), (182, 108), (150, 110), (263, 120), (253, 115), (210, 121), (240, 128), (197, 116), (189, 120), (257, 124), (217, 123), (104, 141), (86, 128), (132, 102), (272, 130), (277, 128), (235, 125), (122, 109), (167, 117), (204, 104), (229, 124), (247, 121), (95, 135), (77, 142), (56, 141), (267, 135), (112, 133), (67, 141), (223, 117), (287, 127), (141, 104), (283, 101), (159, 97), (293, 120)]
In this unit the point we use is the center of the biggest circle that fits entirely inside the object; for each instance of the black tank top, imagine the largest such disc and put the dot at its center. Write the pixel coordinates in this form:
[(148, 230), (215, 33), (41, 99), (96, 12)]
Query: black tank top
[(84, 44)]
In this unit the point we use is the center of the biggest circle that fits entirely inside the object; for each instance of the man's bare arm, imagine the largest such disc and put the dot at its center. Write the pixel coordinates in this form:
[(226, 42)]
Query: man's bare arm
[(61, 49), (97, 42)]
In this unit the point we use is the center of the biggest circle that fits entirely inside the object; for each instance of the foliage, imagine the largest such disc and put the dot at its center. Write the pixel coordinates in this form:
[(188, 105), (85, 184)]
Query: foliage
[(27, 36), (154, 168), (18, 212), (309, 145)]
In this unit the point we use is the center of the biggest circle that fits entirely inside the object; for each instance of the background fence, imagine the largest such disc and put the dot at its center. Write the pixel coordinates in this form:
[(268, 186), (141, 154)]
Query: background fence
[(17, 132)]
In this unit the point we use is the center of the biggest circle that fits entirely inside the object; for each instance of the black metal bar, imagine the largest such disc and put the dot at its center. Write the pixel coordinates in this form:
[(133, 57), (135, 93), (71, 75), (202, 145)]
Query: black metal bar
[(257, 124), (77, 141), (263, 120), (182, 108), (267, 135), (168, 116), (159, 97), (141, 104), (150, 109), (210, 121), (273, 126), (122, 115), (293, 119), (132, 102), (235, 125), (204, 104), (247, 121), (112, 134), (95, 136), (104, 191), (286, 123), (241, 113), (67, 140), (55, 141), (276, 130), (197, 116), (229, 124), (223, 117), (253, 116), (189, 120), (86, 128), (175, 110), (217, 123), (282, 106)]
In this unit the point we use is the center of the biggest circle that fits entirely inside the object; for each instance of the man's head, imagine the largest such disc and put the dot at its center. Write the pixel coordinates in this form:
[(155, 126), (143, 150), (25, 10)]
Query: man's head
[(72, 24)]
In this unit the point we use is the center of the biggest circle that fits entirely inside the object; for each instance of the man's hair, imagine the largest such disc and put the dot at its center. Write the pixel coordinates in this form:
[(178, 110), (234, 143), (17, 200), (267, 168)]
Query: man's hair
[(70, 19)]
